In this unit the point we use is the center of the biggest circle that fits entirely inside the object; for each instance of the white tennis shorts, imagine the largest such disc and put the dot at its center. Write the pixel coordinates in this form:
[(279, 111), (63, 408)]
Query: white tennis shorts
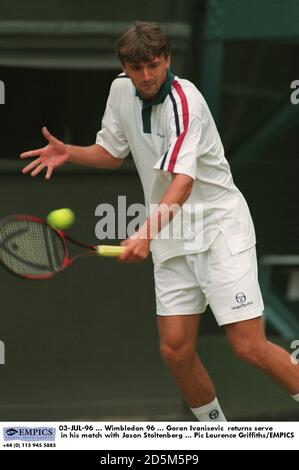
[(185, 285)]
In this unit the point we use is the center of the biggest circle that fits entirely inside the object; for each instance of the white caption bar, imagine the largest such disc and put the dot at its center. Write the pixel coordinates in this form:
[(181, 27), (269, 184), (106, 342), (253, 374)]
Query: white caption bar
[(102, 435)]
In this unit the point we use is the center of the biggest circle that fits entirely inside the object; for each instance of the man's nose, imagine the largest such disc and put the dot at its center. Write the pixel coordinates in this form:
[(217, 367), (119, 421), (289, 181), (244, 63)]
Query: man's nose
[(145, 74)]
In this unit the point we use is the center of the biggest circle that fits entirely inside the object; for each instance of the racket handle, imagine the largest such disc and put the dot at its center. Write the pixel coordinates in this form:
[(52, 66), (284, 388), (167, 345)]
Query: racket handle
[(110, 250)]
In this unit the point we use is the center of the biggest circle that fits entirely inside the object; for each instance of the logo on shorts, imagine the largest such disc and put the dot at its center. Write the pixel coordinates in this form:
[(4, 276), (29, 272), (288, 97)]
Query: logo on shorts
[(214, 414), (241, 297)]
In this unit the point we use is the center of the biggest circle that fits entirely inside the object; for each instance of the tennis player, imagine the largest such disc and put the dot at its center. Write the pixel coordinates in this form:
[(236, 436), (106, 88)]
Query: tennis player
[(166, 124)]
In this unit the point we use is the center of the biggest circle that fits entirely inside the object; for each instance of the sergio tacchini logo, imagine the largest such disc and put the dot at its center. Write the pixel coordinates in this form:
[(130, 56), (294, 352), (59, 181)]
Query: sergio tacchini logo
[(241, 297)]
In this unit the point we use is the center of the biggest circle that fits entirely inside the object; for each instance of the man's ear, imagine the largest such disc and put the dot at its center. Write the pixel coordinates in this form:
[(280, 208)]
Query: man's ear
[(168, 60)]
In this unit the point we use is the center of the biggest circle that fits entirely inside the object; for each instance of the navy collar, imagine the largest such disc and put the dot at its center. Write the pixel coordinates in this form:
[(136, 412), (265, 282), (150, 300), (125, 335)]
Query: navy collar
[(162, 93)]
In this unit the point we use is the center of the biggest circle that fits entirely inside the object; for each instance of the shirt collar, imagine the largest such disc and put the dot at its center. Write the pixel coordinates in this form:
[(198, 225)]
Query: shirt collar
[(162, 93)]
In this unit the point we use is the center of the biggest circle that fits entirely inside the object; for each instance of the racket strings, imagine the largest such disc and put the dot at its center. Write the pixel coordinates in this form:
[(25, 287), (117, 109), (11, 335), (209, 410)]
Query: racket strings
[(30, 248)]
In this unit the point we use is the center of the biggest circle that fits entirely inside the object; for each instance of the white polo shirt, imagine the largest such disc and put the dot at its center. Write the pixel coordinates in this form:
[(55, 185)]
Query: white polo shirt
[(176, 133)]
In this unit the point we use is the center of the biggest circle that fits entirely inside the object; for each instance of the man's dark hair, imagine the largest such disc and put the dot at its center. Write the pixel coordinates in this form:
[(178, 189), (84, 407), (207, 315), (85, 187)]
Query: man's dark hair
[(142, 42)]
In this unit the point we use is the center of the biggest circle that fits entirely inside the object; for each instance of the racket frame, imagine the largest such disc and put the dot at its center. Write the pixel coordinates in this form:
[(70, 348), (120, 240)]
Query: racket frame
[(67, 261)]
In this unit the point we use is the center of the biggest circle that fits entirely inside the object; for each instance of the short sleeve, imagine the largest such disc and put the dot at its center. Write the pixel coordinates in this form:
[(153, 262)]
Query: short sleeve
[(183, 150), (111, 136), (185, 131)]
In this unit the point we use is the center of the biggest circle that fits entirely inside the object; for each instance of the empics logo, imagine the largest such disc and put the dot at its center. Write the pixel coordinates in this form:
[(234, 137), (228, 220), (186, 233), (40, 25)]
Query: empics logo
[(29, 434)]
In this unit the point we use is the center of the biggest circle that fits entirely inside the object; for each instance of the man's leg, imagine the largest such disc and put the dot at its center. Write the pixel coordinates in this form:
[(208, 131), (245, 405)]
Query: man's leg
[(249, 343), (178, 334)]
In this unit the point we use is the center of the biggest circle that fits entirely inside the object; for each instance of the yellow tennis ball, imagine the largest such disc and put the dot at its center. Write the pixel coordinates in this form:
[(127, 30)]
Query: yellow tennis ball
[(61, 218)]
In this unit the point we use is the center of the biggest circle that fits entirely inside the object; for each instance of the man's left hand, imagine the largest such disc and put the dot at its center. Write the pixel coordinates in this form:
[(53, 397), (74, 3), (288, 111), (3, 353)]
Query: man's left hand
[(137, 250)]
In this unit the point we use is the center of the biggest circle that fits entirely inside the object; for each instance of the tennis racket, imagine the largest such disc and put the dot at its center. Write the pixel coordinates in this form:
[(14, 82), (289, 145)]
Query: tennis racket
[(31, 249)]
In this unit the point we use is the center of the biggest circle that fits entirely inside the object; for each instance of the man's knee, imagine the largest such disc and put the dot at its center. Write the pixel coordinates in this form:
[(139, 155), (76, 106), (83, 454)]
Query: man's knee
[(248, 341), (253, 353), (176, 349)]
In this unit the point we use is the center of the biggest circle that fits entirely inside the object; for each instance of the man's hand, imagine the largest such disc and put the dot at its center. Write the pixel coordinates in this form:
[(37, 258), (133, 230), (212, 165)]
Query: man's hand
[(51, 156), (137, 250), (138, 245)]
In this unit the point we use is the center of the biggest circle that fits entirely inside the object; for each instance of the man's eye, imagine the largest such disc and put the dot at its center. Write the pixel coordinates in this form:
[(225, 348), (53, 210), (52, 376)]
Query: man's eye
[(134, 67)]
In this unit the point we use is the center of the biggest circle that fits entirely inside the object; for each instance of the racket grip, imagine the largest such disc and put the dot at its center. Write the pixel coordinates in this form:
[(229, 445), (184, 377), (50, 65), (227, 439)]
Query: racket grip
[(110, 250)]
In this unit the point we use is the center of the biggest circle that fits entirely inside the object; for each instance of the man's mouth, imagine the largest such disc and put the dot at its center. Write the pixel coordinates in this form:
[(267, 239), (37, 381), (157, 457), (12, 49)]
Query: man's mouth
[(147, 85)]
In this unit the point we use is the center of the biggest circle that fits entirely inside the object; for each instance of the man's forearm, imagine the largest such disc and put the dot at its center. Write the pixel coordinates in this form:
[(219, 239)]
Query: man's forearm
[(94, 156), (174, 197)]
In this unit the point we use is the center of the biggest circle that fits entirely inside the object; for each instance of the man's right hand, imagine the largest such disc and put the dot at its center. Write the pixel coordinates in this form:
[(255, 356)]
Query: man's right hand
[(51, 156)]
